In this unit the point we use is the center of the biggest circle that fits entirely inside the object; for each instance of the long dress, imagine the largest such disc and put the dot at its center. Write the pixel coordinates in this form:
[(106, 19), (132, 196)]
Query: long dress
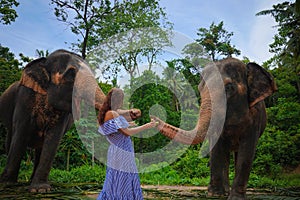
[(122, 181)]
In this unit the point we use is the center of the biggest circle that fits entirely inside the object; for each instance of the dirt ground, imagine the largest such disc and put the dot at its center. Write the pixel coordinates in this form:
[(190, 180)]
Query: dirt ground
[(164, 192), (90, 191), (165, 189)]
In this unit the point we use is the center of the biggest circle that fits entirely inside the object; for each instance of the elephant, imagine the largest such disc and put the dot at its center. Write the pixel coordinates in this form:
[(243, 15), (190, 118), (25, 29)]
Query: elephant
[(39, 108), (243, 88)]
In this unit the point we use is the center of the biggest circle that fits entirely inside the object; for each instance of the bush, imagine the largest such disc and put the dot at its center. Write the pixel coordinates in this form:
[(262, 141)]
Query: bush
[(80, 174), (276, 150), (191, 165)]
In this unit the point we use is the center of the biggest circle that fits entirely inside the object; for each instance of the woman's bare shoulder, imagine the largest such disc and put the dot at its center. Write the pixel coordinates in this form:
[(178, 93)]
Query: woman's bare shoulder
[(110, 115)]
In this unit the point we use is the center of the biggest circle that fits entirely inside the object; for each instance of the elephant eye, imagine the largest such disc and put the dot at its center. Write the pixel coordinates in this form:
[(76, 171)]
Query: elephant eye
[(69, 76), (229, 88)]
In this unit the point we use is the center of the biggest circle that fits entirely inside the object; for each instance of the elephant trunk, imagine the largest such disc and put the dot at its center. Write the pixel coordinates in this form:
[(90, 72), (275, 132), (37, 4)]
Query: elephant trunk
[(99, 98), (196, 135), (212, 112), (86, 88)]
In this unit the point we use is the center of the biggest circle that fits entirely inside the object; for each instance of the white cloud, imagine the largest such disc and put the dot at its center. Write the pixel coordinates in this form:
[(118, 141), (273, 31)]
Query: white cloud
[(262, 33), (35, 29)]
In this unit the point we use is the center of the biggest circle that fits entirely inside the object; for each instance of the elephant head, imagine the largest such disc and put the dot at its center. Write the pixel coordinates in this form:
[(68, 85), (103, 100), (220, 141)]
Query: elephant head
[(240, 88), (61, 77)]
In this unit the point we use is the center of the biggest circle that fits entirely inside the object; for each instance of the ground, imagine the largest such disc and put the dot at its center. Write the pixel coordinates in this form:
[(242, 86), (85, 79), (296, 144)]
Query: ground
[(89, 191), (163, 192)]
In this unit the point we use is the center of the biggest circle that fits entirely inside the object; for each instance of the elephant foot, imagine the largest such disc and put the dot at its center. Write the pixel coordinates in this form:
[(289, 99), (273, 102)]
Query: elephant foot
[(212, 194), (217, 192), (236, 196), (39, 188), (8, 182)]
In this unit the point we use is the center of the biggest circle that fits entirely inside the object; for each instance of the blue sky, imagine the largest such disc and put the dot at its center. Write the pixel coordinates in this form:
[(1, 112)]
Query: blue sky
[(37, 28)]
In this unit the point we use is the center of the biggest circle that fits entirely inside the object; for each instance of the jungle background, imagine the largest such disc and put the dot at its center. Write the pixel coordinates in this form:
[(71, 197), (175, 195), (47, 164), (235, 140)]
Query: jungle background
[(277, 157)]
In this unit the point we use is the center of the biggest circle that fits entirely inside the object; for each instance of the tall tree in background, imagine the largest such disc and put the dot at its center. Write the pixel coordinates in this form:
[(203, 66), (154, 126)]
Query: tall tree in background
[(216, 41), (81, 16), (7, 13), (286, 42), (133, 35), (9, 65), (196, 55), (96, 20), (9, 68), (283, 129), (9, 73)]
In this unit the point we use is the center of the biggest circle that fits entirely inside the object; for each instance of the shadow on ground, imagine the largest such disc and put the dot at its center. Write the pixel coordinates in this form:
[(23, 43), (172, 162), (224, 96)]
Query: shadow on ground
[(88, 191)]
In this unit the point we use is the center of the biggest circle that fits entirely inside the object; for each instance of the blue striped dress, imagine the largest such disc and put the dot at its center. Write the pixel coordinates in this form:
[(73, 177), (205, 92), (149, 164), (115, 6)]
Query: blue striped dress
[(122, 181)]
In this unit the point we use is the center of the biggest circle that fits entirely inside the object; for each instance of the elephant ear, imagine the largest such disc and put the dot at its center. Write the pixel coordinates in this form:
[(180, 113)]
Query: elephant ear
[(261, 83), (35, 76)]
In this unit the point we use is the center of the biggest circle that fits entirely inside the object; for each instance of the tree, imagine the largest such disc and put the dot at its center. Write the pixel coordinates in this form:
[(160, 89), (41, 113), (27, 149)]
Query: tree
[(147, 91), (196, 55), (216, 41), (9, 73), (7, 13), (42, 53), (286, 41), (141, 45), (85, 14), (99, 21), (96, 20), (282, 132), (9, 69)]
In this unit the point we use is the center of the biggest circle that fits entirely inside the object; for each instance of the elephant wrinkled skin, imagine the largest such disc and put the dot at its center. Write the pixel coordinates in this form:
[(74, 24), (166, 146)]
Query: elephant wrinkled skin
[(37, 111), (245, 86)]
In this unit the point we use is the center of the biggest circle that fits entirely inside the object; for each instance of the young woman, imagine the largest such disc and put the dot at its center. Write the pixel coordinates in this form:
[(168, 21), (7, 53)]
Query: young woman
[(122, 181)]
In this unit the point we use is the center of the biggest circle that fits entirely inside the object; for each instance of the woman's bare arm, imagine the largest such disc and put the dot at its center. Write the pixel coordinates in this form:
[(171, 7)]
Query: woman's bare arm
[(130, 131), (135, 130)]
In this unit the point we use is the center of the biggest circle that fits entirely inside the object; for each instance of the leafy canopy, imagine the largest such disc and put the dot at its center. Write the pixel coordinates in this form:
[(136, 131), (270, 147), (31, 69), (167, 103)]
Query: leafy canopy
[(216, 41), (7, 13)]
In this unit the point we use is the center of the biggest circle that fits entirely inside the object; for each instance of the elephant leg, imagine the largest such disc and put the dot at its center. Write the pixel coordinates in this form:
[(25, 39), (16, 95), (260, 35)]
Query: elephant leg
[(8, 140), (39, 181), (226, 183), (52, 139), (16, 151), (219, 168), (243, 165), (37, 155)]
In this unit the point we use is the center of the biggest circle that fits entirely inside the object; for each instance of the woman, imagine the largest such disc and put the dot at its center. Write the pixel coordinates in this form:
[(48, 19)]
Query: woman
[(122, 180)]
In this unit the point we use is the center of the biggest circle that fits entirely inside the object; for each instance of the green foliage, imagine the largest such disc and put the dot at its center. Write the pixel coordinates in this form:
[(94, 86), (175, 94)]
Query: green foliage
[(105, 87), (191, 165), (9, 73), (71, 150), (278, 147), (160, 175), (144, 96), (286, 42), (216, 41), (9, 69), (164, 174), (280, 181), (81, 174), (7, 13), (95, 21), (285, 115)]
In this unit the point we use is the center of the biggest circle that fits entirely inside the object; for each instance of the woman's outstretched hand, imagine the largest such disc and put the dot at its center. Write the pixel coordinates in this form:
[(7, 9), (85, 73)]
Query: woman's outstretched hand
[(151, 124), (158, 122)]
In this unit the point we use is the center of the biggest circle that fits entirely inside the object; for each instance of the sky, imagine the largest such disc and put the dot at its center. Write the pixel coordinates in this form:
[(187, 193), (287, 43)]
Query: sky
[(37, 27)]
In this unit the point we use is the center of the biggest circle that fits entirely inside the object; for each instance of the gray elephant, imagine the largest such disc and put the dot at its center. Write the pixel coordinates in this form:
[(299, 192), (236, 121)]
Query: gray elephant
[(37, 111), (244, 89)]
